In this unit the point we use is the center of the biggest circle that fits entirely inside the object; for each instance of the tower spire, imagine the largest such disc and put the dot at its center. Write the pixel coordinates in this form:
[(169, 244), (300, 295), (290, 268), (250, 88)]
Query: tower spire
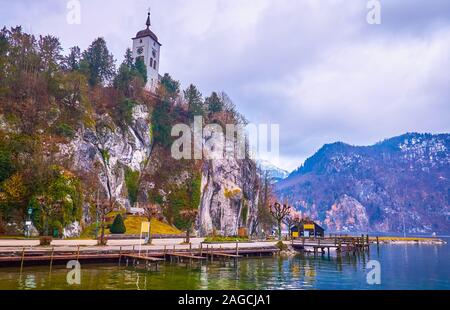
[(148, 23)]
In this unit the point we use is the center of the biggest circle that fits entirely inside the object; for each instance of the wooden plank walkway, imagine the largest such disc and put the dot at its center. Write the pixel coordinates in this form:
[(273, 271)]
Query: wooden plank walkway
[(33, 258), (223, 255), (144, 258), (186, 255)]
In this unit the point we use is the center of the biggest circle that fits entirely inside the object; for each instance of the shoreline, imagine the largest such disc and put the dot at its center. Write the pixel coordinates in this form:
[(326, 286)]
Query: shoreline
[(20, 243)]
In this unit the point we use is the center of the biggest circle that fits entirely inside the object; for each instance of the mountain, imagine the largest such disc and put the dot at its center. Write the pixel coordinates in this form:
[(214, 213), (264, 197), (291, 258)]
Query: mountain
[(275, 173), (400, 184)]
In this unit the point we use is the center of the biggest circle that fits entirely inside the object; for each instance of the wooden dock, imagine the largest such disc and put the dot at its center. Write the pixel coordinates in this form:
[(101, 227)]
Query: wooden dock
[(53, 256), (223, 255), (340, 244)]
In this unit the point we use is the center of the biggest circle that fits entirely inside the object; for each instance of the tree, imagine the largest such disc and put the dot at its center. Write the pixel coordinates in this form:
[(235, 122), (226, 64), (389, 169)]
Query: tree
[(50, 53), (161, 123), (151, 212), (264, 220), (292, 219), (279, 213), (118, 226), (141, 69), (214, 103), (72, 61), (57, 202), (194, 100), (169, 87), (189, 217), (6, 166), (128, 59), (104, 208), (100, 62)]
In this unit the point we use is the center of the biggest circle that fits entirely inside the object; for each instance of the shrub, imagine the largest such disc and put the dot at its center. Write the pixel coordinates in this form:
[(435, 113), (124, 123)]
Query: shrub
[(132, 183), (118, 226), (222, 239), (65, 130), (45, 240), (126, 110), (102, 242), (281, 246)]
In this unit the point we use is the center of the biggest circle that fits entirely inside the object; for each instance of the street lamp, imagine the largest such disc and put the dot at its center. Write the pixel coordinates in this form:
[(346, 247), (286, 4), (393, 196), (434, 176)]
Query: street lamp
[(28, 223)]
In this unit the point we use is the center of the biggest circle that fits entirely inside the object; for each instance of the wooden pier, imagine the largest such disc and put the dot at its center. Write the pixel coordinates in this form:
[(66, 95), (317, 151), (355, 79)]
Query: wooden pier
[(340, 244), (31, 257)]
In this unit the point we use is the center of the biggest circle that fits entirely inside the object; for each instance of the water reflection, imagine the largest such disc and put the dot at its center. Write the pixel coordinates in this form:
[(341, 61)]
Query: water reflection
[(412, 267)]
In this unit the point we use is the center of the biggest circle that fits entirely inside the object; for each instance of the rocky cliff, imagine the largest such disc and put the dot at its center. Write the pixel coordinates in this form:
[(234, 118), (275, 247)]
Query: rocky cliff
[(228, 195), (401, 184)]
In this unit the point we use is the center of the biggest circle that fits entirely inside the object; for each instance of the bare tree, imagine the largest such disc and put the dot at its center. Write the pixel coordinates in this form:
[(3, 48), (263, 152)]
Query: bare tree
[(151, 212), (292, 219), (103, 209), (189, 216), (279, 213)]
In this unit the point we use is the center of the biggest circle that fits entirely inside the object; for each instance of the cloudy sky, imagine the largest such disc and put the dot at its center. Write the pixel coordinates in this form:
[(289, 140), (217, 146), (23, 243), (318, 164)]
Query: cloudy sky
[(316, 67)]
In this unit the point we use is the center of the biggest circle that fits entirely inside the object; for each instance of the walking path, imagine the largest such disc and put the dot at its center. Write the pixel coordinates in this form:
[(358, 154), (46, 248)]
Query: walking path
[(7, 246)]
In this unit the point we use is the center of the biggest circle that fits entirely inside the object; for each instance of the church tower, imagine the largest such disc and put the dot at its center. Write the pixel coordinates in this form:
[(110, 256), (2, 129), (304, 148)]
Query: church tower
[(147, 47)]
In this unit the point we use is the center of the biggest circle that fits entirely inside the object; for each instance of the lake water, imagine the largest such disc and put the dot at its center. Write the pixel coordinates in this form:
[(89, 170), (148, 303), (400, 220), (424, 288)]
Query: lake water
[(402, 267)]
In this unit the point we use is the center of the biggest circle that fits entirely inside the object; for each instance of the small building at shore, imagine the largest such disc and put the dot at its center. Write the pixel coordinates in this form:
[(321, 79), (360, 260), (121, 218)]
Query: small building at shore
[(307, 228)]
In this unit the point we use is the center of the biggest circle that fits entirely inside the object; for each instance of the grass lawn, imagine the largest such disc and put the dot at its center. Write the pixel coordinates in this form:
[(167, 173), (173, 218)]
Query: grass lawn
[(133, 225)]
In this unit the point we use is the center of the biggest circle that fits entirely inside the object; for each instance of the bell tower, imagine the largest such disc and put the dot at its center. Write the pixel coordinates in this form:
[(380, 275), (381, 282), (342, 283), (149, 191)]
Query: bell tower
[(147, 47)]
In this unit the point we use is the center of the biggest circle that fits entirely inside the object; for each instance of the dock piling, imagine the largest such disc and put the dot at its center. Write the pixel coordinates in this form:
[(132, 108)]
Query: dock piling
[(51, 259), (23, 258)]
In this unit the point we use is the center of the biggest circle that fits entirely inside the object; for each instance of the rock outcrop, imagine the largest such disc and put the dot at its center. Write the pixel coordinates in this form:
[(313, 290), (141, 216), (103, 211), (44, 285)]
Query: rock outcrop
[(228, 196)]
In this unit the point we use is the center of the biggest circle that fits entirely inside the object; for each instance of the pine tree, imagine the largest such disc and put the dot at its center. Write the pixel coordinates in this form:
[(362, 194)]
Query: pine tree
[(118, 226), (100, 61), (170, 86), (129, 61), (72, 61), (214, 103), (141, 69), (194, 100)]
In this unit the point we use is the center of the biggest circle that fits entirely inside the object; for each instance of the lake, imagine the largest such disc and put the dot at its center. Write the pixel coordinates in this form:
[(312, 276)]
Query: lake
[(423, 267)]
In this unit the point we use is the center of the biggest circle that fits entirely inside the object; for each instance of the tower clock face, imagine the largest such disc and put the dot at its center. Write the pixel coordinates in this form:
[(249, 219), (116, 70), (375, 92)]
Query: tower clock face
[(140, 50)]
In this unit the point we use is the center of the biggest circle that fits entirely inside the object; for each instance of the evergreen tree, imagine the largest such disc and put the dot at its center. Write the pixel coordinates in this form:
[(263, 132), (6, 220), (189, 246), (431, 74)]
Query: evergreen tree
[(100, 61), (72, 61), (170, 86), (118, 226), (50, 53), (141, 69), (214, 103), (194, 100), (161, 123), (129, 61)]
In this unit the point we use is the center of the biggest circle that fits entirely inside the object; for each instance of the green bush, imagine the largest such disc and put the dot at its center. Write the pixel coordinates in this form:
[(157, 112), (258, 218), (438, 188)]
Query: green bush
[(132, 183), (65, 130), (118, 226), (281, 246), (126, 110), (220, 239), (6, 167), (45, 240)]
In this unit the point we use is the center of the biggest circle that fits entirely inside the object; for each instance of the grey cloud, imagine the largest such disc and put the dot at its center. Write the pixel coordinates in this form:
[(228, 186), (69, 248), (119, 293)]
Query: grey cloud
[(315, 67)]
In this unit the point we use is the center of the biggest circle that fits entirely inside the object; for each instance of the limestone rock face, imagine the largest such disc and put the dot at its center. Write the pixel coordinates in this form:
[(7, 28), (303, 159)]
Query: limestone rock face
[(228, 195), (72, 231), (109, 149)]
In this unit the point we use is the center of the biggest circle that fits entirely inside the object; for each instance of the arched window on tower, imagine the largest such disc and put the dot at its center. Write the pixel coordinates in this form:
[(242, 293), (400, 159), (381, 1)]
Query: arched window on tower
[(151, 62), (154, 65)]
